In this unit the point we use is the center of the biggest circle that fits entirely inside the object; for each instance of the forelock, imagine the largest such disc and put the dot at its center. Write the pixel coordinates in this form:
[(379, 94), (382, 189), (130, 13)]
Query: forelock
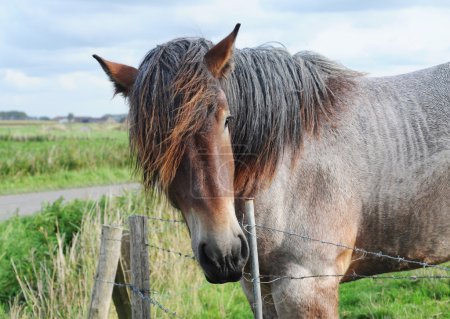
[(168, 104)]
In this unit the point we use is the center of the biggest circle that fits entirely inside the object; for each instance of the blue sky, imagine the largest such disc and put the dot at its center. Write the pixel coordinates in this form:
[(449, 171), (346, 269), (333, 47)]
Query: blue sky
[(46, 66)]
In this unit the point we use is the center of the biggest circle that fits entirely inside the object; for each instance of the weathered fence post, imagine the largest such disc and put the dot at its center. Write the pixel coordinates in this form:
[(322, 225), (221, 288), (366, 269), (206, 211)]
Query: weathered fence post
[(121, 297), (140, 268), (257, 302), (106, 272)]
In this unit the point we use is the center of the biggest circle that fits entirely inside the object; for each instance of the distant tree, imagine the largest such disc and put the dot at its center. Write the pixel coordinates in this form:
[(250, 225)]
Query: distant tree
[(70, 117), (123, 119), (13, 115), (44, 118)]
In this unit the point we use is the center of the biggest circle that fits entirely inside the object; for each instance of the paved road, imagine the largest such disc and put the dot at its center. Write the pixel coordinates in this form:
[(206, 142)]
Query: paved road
[(29, 203)]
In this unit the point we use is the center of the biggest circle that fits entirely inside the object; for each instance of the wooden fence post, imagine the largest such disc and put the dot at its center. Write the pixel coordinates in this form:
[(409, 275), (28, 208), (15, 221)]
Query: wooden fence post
[(121, 297), (140, 267), (106, 272)]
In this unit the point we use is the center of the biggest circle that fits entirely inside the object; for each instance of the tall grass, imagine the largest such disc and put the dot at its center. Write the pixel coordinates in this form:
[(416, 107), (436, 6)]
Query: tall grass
[(44, 157), (61, 287), (34, 158), (31, 237)]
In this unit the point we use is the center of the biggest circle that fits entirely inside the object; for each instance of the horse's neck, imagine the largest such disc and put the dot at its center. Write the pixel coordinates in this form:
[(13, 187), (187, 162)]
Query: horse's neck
[(347, 185)]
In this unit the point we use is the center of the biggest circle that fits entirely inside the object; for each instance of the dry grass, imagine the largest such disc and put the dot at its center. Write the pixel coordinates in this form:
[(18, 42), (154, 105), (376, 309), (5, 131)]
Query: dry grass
[(63, 286), (63, 290), (57, 156), (25, 122)]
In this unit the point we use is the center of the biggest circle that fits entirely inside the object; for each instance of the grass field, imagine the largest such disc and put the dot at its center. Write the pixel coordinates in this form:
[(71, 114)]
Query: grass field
[(47, 261), (56, 277), (51, 156)]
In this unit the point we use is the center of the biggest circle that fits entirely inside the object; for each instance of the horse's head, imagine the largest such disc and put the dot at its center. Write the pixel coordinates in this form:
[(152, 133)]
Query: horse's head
[(179, 132)]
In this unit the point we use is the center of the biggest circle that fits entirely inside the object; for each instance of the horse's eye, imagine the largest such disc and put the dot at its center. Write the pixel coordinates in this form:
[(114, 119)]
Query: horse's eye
[(227, 120)]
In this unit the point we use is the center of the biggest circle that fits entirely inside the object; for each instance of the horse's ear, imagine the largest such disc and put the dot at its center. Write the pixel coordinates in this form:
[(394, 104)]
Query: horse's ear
[(123, 76), (217, 59)]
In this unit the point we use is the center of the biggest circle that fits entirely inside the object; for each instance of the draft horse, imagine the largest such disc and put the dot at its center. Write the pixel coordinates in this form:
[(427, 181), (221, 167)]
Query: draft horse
[(325, 151)]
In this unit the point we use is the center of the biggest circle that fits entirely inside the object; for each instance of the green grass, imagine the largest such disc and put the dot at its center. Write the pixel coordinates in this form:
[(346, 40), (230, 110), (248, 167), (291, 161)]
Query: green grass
[(42, 157), (55, 251), (424, 298), (179, 285), (52, 130), (32, 237), (56, 280), (65, 179)]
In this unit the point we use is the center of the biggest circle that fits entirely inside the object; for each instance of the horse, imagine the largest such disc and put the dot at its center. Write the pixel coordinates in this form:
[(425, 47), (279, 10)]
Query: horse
[(324, 151)]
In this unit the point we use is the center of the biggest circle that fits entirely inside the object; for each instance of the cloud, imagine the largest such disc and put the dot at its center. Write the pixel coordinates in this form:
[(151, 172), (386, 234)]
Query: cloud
[(309, 6), (46, 66), (82, 93), (18, 80), (378, 41)]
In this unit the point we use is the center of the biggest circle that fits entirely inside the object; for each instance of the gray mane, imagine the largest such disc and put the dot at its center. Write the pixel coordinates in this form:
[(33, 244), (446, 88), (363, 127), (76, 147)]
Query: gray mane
[(275, 98)]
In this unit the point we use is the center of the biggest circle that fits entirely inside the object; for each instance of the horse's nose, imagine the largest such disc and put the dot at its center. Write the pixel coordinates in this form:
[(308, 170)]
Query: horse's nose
[(223, 263)]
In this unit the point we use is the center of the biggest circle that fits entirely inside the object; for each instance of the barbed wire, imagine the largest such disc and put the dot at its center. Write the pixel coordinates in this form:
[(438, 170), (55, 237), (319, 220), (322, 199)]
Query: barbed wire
[(165, 220), (141, 293), (353, 276), (172, 251), (380, 254), (160, 306), (151, 218), (306, 237), (267, 279), (164, 294)]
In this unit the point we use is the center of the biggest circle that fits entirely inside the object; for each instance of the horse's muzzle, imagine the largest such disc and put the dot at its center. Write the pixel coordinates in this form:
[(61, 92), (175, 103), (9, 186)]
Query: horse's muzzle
[(222, 267)]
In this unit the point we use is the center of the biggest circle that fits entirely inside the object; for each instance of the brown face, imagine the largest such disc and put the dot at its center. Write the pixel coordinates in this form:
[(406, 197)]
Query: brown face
[(202, 187), (203, 190)]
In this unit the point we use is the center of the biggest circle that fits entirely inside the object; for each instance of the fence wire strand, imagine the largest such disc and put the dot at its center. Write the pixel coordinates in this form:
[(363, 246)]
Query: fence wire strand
[(166, 220), (172, 252), (267, 279), (152, 218), (141, 293), (355, 249), (247, 277)]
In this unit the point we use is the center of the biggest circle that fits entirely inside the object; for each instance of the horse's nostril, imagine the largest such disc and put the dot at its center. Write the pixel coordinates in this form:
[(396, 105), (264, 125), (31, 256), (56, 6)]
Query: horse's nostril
[(223, 264), (207, 257), (244, 247), (202, 252)]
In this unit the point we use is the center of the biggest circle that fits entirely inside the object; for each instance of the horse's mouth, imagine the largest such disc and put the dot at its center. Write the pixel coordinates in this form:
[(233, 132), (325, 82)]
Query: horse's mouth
[(223, 278)]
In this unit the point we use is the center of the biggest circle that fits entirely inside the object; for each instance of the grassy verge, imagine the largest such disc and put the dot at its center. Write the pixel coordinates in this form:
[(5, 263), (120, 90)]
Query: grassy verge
[(383, 299), (23, 239), (43, 157), (56, 268), (60, 287), (66, 179)]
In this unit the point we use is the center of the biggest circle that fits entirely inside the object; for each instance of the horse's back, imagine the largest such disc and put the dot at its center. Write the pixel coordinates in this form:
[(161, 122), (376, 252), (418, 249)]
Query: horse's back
[(408, 115), (404, 123), (426, 90)]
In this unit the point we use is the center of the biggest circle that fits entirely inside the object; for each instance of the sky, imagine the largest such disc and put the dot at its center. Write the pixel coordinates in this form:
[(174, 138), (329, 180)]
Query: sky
[(46, 46)]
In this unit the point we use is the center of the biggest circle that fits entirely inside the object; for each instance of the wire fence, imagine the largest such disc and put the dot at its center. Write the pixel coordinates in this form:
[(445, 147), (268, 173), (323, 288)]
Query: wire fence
[(151, 295), (379, 254), (172, 252)]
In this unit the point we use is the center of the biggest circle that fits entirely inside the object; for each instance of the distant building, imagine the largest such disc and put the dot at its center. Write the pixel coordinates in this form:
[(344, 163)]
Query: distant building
[(87, 119), (108, 118), (114, 118), (61, 119)]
